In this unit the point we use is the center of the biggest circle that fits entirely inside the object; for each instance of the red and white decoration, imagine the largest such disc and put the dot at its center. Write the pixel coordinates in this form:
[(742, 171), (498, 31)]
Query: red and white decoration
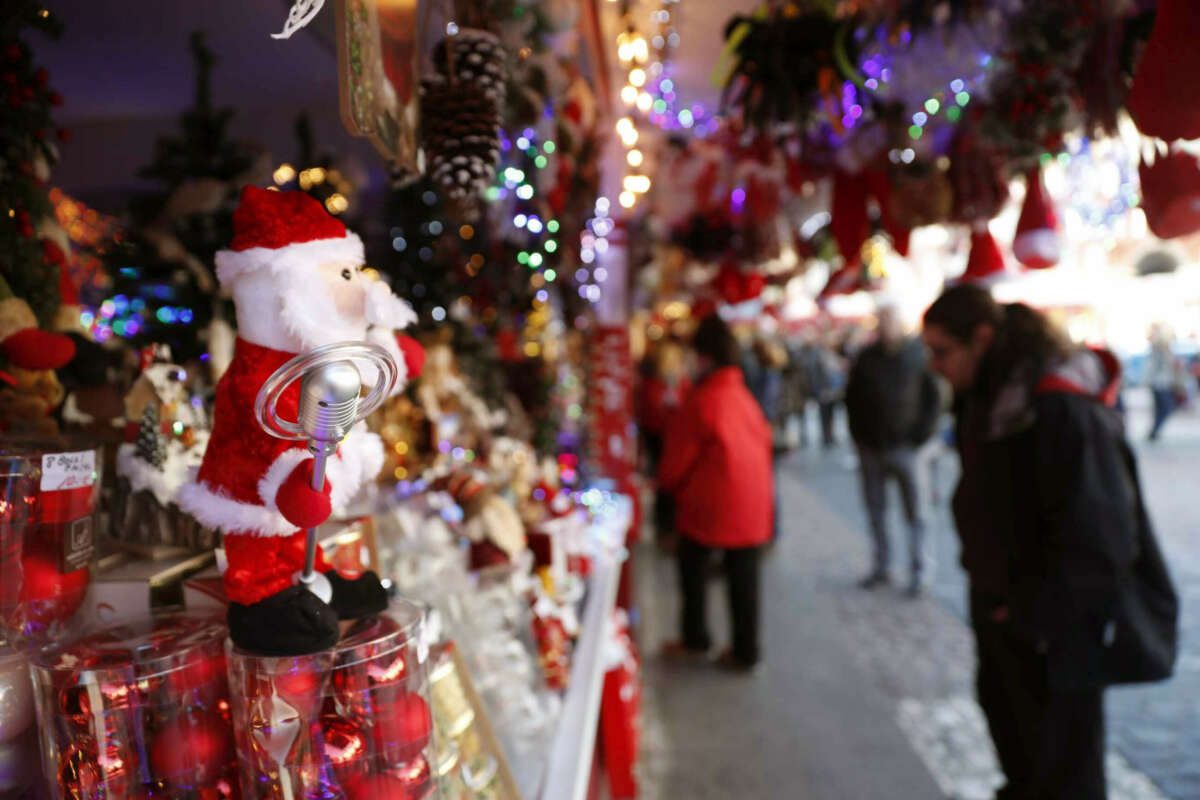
[(1038, 242), (295, 276)]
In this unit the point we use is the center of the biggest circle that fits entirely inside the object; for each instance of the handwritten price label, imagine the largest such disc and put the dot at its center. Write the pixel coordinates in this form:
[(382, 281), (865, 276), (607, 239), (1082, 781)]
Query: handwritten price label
[(68, 470)]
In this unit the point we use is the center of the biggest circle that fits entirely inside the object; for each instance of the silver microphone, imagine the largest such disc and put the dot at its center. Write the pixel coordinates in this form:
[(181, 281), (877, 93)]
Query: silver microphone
[(329, 396)]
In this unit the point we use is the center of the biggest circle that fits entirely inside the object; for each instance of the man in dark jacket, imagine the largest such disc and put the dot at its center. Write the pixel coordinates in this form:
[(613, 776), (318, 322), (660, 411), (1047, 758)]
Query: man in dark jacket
[(1069, 593), (893, 404)]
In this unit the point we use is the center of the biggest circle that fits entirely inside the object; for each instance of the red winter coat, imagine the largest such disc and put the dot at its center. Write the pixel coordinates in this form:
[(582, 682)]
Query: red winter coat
[(717, 464), (659, 401)]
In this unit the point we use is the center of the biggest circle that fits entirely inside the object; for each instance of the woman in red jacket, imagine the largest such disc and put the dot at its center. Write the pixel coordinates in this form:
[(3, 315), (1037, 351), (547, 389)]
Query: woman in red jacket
[(717, 464)]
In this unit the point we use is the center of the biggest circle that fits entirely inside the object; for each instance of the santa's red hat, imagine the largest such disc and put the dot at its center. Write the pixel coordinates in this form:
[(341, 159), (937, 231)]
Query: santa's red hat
[(985, 262), (273, 228), (1038, 243)]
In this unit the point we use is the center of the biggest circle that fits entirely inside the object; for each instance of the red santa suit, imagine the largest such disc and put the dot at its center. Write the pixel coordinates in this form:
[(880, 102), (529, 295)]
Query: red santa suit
[(294, 272)]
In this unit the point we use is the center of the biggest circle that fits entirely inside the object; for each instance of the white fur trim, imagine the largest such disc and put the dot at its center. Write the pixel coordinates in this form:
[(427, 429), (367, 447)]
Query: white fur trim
[(278, 472), (359, 460), (231, 263), (1038, 248), (386, 309), (219, 511)]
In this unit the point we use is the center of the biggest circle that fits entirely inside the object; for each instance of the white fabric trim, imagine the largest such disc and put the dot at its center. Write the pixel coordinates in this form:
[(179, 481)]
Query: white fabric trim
[(1042, 246), (278, 472), (221, 512), (231, 263)]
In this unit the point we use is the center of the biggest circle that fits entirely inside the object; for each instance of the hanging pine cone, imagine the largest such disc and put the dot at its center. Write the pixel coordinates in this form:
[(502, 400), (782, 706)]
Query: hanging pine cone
[(461, 136), (478, 59)]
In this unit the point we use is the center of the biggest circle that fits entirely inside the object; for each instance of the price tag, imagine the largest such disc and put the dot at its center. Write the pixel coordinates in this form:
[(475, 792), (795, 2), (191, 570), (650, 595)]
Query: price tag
[(68, 470)]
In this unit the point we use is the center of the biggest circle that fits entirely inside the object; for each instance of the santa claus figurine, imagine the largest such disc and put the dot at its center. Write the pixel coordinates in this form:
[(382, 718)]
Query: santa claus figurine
[(297, 282)]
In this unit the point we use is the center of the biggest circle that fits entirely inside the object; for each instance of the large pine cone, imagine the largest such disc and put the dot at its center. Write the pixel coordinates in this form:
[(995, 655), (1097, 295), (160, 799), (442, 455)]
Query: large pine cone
[(461, 136), (478, 59)]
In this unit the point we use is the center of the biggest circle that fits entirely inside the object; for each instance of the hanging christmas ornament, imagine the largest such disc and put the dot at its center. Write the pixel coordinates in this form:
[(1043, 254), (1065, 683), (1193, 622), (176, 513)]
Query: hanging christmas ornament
[(474, 56), (985, 262), (1171, 193), (1163, 100), (849, 222), (461, 136), (1038, 242)]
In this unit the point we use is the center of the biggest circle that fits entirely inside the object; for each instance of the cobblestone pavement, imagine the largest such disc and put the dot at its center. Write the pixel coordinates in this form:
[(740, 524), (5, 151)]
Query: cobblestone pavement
[(921, 653)]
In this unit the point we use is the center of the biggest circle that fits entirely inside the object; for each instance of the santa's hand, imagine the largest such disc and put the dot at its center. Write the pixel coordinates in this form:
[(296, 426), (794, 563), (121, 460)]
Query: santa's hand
[(299, 503)]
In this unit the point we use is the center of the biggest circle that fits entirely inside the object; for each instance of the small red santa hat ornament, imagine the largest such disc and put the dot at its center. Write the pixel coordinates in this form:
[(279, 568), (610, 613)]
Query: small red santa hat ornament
[(1164, 99), (985, 263), (1038, 243), (847, 280)]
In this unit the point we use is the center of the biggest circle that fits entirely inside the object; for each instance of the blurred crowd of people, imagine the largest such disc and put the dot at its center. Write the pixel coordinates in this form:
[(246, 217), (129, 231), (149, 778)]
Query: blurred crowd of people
[(1069, 593)]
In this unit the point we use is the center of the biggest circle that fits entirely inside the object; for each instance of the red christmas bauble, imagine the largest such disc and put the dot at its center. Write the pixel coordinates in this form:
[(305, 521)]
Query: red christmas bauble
[(75, 706), (192, 750), (48, 594), (402, 728), (346, 747)]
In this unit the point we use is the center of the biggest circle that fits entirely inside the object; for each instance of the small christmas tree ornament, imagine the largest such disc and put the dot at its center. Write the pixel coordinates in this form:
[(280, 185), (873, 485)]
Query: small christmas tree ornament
[(1164, 100), (151, 447), (1038, 243), (985, 262)]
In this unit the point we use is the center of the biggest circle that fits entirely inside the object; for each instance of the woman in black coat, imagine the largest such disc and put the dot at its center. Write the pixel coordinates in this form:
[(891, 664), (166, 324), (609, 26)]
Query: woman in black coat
[(1054, 535)]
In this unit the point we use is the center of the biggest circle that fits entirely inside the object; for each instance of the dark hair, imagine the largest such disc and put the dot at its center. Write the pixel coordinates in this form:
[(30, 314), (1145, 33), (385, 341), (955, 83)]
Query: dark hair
[(714, 340), (1025, 338)]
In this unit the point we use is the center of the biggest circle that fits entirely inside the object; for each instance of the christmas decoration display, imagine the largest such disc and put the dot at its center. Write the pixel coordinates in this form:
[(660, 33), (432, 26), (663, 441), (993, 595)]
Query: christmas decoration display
[(490, 522), (1038, 242), (294, 273), (461, 113), (1160, 105), (354, 721), (16, 696), (50, 495), (169, 447), (140, 709)]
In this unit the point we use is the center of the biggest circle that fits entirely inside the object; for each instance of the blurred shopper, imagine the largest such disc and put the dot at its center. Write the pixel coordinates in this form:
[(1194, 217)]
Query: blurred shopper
[(763, 363), (665, 384), (1068, 590), (1165, 377), (828, 379), (893, 405), (794, 404), (717, 463)]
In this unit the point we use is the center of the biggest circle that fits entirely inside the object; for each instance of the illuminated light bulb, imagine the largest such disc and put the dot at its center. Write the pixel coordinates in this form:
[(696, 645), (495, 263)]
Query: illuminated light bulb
[(641, 50), (637, 77), (336, 203), (625, 52), (535, 260), (525, 191), (629, 96), (644, 102), (630, 137), (635, 158), (284, 174), (551, 275), (624, 124), (686, 118), (626, 199), (638, 184)]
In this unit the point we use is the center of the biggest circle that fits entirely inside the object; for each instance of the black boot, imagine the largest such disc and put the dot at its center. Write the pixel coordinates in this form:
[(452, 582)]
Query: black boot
[(292, 623), (357, 598)]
